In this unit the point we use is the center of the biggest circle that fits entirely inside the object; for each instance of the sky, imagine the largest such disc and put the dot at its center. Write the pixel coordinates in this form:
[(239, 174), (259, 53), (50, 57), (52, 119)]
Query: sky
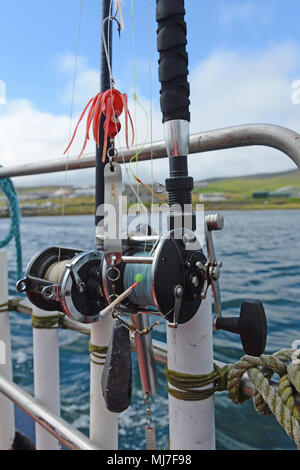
[(244, 57)]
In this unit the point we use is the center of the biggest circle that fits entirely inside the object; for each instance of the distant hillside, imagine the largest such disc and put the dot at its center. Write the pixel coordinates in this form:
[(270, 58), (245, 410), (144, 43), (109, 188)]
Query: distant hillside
[(237, 191), (290, 173), (243, 186)]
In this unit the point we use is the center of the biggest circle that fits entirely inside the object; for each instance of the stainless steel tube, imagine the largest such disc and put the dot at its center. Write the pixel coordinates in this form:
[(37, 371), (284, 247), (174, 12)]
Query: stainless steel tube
[(60, 429), (280, 138), (268, 135), (145, 355)]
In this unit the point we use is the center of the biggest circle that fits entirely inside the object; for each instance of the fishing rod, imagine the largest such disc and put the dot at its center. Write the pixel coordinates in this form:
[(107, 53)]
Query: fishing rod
[(104, 86), (131, 278)]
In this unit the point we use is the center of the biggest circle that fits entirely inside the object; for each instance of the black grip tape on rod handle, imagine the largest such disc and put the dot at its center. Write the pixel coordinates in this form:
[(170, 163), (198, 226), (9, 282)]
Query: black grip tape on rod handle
[(173, 59)]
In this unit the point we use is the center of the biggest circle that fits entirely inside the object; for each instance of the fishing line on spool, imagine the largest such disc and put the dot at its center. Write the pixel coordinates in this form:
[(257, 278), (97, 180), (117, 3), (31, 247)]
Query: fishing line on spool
[(55, 272), (142, 294)]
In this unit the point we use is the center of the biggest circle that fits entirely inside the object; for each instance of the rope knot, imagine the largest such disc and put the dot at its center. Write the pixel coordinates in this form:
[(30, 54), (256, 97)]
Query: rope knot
[(265, 398)]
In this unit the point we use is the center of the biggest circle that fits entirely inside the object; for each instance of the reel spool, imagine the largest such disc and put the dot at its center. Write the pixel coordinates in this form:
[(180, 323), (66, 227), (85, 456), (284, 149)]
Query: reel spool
[(171, 281), (66, 280)]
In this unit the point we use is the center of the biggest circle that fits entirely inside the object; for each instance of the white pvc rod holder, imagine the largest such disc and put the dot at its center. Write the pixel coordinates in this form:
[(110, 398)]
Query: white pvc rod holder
[(46, 377), (7, 416), (103, 423), (190, 351)]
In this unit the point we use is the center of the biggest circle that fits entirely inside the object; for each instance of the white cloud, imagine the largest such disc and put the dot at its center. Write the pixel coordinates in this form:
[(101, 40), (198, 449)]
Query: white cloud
[(29, 135), (227, 88), (87, 82), (245, 11), (230, 88), (2, 92)]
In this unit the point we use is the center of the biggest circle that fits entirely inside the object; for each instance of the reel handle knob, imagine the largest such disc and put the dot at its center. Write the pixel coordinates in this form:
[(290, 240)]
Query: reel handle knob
[(251, 325)]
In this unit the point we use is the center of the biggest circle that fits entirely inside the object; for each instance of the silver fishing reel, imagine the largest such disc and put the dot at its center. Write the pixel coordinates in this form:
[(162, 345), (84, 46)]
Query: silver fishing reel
[(66, 280)]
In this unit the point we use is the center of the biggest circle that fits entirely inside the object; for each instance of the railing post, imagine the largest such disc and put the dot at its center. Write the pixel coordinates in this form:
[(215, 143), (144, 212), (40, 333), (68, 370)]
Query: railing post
[(190, 351), (103, 423), (46, 371), (7, 416)]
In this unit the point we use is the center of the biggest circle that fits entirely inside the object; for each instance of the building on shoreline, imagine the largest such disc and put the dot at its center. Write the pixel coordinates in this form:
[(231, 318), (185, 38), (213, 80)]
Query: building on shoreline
[(212, 197)]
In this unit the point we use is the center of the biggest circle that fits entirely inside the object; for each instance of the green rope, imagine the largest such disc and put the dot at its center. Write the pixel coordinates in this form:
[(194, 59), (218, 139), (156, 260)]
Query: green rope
[(11, 305), (46, 323), (6, 185), (294, 375), (99, 352), (4, 308), (186, 384)]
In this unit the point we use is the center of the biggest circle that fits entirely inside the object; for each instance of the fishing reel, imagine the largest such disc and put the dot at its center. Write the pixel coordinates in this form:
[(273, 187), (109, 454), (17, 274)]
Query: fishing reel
[(82, 284), (170, 283), (66, 280)]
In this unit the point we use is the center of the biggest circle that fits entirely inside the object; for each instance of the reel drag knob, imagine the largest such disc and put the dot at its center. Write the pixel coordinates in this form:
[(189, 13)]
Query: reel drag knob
[(251, 325)]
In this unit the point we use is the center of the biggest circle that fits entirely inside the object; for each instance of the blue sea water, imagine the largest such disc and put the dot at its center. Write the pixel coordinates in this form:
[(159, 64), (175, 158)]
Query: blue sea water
[(260, 251)]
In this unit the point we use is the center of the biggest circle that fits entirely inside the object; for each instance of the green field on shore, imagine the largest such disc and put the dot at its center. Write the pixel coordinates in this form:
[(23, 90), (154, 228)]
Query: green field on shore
[(243, 187), (239, 191)]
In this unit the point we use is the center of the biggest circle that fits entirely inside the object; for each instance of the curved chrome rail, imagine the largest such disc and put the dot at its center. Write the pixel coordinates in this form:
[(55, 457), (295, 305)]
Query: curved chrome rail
[(268, 135)]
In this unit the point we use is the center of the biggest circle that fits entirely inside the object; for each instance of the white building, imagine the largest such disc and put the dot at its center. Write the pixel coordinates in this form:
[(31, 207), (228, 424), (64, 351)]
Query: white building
[(200, 184), (212, 197), (82, 192)]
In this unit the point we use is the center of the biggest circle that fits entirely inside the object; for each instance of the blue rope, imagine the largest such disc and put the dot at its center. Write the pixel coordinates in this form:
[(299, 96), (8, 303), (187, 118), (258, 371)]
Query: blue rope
[(6, 185)]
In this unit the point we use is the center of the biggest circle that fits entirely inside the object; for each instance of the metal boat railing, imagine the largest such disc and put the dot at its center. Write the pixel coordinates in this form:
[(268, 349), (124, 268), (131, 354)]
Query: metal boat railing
[(64, 432), (280, 138), (272, 136)]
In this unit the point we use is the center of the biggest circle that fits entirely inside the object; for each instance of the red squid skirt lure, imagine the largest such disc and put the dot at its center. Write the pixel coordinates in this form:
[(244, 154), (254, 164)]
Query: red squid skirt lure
[(111, 103)]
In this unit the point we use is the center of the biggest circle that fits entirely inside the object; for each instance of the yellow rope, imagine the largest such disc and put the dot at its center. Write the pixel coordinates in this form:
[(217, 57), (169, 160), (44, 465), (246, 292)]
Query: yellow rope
[(99, 352), (46, 323), (187, 384)]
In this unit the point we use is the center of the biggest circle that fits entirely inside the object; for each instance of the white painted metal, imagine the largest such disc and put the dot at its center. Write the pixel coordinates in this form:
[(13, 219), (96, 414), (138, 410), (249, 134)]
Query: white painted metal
[(46, 377), (190, 351), (103, 423), (7, 417)]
